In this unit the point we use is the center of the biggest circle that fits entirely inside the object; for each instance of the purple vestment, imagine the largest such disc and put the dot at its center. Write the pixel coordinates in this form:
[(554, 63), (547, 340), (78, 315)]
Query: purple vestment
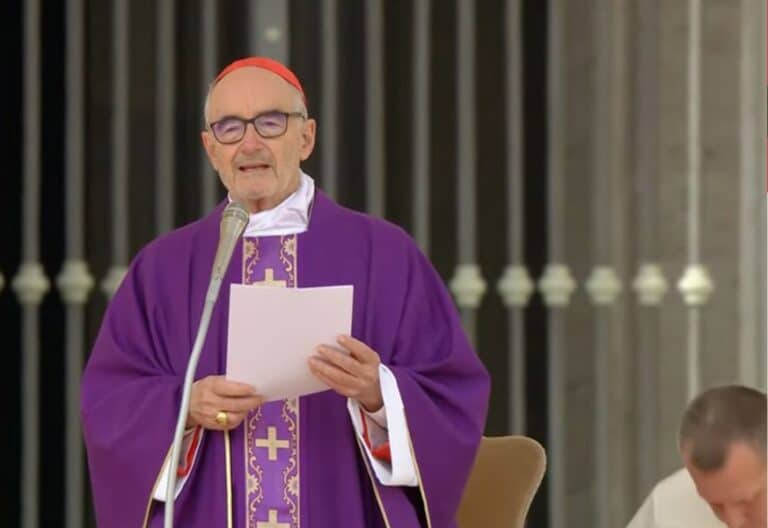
[(132, 383)]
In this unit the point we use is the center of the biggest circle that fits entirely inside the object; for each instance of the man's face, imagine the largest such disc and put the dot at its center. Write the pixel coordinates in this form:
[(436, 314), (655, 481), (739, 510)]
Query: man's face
[(737, 491), (261, 172)]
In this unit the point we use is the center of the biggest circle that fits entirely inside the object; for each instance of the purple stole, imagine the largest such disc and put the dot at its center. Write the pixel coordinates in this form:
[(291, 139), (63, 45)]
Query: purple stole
[(271, 431)]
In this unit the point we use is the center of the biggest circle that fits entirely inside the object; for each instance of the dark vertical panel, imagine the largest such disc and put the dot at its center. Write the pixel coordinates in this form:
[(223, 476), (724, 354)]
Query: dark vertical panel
[(10, 255), (305, 50), (52, 255), (492, 335), (352, 98), (142, 149), (189, 113), (443, 145), (233, 40), (398, 78), (233, 28), (536, 227), (98, 156)]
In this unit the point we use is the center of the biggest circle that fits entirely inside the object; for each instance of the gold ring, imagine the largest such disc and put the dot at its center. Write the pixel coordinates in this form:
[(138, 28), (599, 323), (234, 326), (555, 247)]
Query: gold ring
[(222, 418)]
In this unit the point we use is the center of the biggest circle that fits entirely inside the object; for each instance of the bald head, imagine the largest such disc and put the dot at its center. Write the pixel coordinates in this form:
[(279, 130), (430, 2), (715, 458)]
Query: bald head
[(719, 418), (259, 77)]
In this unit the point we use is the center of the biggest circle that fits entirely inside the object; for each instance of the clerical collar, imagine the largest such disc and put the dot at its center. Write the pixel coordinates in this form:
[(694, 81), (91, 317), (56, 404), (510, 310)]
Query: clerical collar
[(289, 217)]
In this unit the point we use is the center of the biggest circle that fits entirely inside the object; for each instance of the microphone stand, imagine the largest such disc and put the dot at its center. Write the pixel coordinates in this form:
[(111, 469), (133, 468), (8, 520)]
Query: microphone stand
[(233, 213)]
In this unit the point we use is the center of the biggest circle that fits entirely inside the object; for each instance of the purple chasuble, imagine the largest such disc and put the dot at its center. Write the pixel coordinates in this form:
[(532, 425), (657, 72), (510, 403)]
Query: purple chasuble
[(132, 383)]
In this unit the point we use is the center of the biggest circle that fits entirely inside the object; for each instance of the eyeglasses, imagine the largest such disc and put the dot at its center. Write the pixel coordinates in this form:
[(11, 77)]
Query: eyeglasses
[(270, 124)]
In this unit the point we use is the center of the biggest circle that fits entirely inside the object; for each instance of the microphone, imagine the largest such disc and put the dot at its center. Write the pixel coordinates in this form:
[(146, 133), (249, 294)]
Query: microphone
[(233, 221)]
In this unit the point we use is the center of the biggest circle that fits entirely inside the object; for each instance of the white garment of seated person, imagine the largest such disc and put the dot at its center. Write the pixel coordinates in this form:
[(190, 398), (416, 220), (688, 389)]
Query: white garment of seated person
[(291, 216), (675, 503)]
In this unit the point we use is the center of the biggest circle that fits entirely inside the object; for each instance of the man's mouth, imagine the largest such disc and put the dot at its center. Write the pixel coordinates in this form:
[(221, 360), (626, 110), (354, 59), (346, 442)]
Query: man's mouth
[(253, 167)]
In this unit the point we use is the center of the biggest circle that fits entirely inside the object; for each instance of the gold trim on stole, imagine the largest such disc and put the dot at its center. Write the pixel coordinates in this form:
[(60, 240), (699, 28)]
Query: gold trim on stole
[(297, 400), (291, 484), (251, 250), (251, 483)]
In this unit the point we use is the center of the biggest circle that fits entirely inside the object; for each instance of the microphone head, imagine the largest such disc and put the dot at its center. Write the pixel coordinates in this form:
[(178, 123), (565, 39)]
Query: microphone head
[(233, 220), (237, 211)]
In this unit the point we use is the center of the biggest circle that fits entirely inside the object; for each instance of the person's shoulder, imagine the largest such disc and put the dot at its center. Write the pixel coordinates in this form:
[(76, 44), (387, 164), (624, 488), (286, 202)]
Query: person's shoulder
[(174, 244), (675, 497), (380, 230), (678, 482)]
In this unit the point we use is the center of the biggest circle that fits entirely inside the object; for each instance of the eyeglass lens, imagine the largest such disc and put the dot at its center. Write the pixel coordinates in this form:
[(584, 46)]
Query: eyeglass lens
[(232, 129)]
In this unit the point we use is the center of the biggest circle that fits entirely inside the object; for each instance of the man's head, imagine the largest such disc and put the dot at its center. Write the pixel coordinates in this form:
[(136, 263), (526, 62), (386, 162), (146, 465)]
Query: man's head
[(257, 131), (722, 442)]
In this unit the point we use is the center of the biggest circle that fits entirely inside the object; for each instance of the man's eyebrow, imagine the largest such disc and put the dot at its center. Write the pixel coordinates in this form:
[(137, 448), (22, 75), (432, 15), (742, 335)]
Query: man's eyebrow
[(239, 116)]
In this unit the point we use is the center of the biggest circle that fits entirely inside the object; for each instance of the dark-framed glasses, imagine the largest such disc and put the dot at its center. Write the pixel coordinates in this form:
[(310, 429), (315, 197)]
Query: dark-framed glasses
[(272, 124)]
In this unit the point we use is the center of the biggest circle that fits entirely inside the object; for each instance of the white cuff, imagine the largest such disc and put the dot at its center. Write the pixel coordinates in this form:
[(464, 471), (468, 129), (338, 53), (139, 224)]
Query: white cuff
[(162, 482), (402, 470), (380, 416)]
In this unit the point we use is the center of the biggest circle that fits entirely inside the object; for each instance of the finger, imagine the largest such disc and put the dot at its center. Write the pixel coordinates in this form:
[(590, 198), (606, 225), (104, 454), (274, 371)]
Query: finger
[(224, 387), (242, 404), (216, 404), (340, 389), (358, 349), (341, 360), (335, 375)]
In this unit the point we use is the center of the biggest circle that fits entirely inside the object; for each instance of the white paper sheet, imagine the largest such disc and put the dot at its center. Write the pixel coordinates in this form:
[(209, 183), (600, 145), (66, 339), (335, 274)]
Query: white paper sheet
[(274, 331)]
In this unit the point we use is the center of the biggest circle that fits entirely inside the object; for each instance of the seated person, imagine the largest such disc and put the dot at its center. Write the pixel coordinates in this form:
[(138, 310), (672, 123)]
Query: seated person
[(722, 444)]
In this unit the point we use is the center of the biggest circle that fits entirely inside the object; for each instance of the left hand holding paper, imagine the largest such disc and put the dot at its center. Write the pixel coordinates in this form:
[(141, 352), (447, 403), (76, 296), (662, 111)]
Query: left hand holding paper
[(352, 372)]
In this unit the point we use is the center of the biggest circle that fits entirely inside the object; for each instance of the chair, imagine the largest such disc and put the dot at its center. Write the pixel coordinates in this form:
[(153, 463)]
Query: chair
[(507, 472)]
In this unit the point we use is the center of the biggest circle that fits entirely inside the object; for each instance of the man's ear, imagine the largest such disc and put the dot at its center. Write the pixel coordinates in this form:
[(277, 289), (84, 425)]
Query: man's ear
[(308, 138), (210, 148)]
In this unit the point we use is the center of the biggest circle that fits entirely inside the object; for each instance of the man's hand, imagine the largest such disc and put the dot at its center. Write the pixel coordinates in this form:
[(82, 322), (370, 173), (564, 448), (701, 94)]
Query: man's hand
[(214, 394), (354, 373)]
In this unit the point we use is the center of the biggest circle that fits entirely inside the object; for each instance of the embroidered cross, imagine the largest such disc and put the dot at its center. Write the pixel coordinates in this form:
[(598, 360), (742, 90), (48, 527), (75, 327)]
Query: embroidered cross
[(272, 443), (269, 279), (272, 522)]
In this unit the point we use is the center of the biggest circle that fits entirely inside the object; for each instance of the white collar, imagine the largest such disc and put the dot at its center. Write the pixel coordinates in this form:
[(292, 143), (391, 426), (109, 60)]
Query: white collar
[(291, 216)]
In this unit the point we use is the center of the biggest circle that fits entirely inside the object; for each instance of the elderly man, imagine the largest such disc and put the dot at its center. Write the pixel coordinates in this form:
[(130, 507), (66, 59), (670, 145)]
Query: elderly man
[(392, 442), (722, 443)]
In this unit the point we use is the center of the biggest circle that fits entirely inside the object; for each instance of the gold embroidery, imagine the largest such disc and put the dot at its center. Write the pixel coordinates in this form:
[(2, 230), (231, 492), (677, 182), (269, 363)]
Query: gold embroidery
[(293, 485), (272, 443), (269, 279), (254, 491), (272, 522), (291, 471), (288, 257), (250, 258)]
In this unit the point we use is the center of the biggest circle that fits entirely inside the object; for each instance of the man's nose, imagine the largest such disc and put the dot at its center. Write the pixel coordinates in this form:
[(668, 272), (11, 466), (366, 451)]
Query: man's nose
[(251, 139)]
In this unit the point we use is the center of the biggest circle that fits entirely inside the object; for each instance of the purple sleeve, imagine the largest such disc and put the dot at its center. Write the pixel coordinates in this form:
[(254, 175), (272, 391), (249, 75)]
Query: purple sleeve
[(444, 387), (129, 402)]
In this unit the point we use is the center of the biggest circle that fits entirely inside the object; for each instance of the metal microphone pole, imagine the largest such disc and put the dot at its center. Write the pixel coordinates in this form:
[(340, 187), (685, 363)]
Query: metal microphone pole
[(234, 220)]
